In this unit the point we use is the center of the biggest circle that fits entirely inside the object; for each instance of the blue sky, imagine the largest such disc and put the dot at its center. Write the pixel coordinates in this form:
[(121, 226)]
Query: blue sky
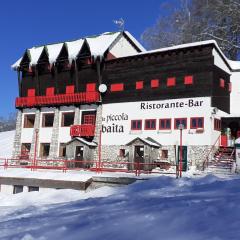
[(27, 23)]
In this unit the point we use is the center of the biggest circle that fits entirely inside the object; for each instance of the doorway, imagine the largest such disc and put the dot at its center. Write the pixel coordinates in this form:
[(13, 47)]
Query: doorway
[(139, 156), (79, 156), (184, 157)]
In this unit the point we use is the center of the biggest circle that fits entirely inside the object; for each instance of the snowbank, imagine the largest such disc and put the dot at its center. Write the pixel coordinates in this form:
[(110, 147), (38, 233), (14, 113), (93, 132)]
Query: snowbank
[(6, 143), (160, 208)]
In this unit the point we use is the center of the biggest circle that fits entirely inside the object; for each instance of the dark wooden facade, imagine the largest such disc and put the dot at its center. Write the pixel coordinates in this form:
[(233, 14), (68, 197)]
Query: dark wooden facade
[(197, 62)]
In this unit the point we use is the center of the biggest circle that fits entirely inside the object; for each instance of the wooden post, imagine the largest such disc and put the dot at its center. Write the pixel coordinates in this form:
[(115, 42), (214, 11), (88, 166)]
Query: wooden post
[(76, 76), (19, 83), (37, 81)]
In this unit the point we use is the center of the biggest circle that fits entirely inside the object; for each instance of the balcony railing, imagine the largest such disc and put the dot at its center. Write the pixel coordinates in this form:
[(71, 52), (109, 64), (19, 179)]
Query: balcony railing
[(85, 130), (84, 97)]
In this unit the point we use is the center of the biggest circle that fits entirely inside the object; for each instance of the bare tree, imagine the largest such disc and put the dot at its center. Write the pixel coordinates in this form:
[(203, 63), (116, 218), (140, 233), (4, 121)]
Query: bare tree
[(195, 20)]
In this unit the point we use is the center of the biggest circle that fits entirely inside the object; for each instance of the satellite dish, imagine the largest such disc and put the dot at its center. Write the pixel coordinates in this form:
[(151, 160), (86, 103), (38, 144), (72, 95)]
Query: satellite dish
[(102, 88)]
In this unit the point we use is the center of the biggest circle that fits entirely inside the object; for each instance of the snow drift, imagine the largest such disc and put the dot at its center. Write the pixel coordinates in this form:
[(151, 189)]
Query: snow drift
[(160, 208)]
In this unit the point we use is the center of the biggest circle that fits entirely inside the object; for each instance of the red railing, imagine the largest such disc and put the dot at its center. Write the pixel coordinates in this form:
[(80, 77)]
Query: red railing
[(206, 161), (85, 130), (84, 97), (95, 166)]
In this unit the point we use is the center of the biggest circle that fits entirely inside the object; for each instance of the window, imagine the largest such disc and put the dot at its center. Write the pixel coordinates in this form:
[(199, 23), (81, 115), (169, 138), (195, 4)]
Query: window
[(47, 119), (91, 87), (171, 82), (150, 124), (197, 122), (217, 124), (62, 150), (222, 83), (136, 125), (117, 87), (33, 189), (25, 149), (31, 92), (50, 91), (139, 85), (165, 124), (29, 120), (164, 154), (178, 121), (44, 149), (67, 119), (188, 80), (17, 189), (70, 89), (154, 83), (122, 152)]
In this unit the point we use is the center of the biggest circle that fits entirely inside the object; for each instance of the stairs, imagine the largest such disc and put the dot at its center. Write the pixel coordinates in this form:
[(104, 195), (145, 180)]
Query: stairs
[(223, 162)]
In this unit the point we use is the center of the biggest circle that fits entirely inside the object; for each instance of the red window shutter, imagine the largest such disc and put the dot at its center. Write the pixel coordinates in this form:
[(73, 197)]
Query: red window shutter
[(188, 80), (154, 83), (91, 87), (230, 87), (31, 92), (50, 91), (139, 85), (171, 82), (70, 89), (222, 83), (117, 87)]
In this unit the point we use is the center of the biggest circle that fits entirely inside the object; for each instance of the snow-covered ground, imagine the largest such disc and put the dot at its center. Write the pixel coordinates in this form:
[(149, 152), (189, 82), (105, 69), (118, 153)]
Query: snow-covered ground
[(6, 143), (203, 208)]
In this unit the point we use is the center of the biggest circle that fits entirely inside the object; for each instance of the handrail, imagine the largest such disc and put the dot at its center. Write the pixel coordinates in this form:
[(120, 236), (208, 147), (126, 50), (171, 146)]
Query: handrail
[(206, 161)]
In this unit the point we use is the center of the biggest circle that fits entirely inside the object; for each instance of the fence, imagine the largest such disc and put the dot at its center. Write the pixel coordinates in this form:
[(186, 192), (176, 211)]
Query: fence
[(136, 168)]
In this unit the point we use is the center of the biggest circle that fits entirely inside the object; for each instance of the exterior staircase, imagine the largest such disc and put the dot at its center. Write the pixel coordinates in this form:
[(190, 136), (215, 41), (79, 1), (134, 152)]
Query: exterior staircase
[(223, 162)]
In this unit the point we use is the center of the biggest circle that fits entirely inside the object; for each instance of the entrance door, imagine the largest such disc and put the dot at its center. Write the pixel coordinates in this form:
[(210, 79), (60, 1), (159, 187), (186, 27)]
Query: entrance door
[(184, 157), (79, 156), (138, 156)]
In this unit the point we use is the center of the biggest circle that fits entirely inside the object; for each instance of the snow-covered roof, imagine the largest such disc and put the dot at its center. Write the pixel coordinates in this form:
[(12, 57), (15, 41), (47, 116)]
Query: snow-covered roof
[(149, 141), (82, 140), (233, 65), (98, 45), (53, 51), (74, 48)]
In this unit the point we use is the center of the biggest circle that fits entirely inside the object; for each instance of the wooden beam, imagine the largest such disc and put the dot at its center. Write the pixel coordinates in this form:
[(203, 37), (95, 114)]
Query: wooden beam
[(19, 83), (76, 76)]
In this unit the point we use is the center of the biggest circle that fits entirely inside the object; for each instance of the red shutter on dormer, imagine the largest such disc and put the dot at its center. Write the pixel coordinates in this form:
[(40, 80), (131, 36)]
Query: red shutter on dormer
[(222, 83), (117, 87), (70, 89), (154, 83), (50, 91), (31, 92), (188, 80), (139, 85), (171, 81), (91, 87)]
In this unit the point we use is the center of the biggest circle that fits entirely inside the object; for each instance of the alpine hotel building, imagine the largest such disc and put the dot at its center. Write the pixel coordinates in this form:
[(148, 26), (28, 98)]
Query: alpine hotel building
[(70, 92)]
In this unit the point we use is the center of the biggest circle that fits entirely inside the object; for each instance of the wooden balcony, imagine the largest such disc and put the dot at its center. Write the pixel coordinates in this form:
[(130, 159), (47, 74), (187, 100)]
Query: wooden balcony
[(85, 130), (60, 99)]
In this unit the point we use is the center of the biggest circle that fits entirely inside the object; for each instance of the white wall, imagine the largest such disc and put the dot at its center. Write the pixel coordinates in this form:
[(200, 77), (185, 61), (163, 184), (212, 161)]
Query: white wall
[(132, 111), (235, 95), (123, 48)]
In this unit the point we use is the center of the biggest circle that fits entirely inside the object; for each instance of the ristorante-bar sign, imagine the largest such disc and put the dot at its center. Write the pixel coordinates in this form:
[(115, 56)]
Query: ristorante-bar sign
[(175, 104)]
